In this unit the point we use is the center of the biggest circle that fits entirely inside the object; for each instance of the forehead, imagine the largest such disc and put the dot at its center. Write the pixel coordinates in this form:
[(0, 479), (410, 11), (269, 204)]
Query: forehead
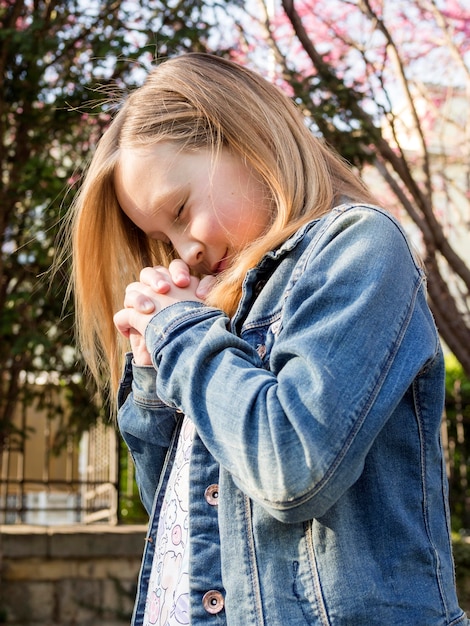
[(144, 163), (146, 176)]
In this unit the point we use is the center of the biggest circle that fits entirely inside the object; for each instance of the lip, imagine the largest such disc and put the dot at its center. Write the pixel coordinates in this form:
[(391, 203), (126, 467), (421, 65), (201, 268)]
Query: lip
[(222, 264)]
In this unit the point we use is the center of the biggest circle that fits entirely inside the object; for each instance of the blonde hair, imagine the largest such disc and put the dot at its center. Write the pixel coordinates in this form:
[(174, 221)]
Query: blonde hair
[(198, 100)]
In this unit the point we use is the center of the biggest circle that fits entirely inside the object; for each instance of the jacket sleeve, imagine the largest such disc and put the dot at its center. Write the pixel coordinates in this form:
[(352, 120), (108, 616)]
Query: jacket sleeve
[(147, 426), (355, 332)]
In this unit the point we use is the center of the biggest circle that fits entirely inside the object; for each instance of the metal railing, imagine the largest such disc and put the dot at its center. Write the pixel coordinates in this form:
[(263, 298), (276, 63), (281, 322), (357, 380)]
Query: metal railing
[(78, 485)]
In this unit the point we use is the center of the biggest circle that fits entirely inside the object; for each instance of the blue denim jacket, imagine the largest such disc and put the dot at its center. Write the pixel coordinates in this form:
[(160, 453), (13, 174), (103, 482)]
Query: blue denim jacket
[(318, 411)]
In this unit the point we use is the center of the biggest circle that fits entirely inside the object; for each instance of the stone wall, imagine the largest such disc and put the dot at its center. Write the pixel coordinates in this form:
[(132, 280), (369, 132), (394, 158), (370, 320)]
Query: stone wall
[(69, 576), (87, 575)]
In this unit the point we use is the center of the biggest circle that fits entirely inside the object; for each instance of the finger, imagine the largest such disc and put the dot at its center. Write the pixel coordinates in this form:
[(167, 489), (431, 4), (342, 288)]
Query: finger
[(143, 304), (140, 298), (140, 287), (122, 322), (205, 286), (179, 272), (158, 278), (129, 319)]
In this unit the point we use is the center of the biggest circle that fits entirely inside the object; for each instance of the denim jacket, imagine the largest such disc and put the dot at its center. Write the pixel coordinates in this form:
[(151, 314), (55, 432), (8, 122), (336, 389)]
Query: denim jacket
[(318, 493)]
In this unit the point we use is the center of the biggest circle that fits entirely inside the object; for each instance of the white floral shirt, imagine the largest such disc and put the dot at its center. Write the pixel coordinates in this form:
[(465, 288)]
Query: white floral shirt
[(168, 596)]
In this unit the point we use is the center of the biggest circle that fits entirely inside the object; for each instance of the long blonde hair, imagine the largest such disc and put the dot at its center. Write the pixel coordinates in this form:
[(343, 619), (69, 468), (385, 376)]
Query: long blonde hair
[(198, 100)]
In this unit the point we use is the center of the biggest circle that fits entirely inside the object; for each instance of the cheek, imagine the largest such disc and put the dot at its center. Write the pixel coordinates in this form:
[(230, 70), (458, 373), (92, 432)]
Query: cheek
[(207, 226), (236, 217), (245, 226)]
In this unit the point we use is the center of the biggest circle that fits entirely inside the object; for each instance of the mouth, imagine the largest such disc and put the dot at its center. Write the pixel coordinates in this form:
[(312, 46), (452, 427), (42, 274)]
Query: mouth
[(221, 265)]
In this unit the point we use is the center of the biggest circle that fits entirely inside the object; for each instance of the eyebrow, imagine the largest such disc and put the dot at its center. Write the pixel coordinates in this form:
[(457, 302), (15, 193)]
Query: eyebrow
[(162, 201)]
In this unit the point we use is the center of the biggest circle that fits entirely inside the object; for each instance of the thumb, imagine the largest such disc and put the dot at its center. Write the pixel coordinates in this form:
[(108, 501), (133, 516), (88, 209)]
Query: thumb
[(205, 286)]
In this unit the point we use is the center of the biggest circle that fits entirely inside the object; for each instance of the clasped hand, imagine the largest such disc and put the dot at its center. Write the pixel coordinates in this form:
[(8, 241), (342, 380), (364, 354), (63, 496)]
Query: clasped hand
[(158, 288)]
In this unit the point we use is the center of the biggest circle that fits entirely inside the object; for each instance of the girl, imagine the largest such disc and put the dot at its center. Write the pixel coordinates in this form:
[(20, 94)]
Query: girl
[(283, 398)]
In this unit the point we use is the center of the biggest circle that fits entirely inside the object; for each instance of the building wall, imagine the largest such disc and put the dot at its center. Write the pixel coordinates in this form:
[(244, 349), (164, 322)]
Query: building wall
[(69, 575), (87, 575)]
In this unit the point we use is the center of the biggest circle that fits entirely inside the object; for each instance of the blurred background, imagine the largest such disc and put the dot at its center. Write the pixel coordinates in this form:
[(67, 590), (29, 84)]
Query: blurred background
[(386, 82)]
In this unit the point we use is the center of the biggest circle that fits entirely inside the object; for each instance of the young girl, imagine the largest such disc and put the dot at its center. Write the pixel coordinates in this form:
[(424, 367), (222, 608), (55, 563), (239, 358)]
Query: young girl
[(283, 398)]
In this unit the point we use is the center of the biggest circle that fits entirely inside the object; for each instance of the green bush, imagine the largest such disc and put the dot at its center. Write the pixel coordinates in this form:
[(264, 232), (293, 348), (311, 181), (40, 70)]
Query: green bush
[(457, 442), (461, 549)]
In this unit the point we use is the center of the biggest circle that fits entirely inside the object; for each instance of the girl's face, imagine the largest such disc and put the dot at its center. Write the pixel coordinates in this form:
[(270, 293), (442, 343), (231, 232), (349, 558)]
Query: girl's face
[(209, 210)]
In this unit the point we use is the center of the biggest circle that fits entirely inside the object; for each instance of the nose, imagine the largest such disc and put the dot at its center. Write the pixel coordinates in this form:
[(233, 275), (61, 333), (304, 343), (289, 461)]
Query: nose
[(191, 252)]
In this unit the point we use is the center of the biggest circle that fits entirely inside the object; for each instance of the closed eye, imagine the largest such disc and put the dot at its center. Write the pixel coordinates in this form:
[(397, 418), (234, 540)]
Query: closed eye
[(179, 212)]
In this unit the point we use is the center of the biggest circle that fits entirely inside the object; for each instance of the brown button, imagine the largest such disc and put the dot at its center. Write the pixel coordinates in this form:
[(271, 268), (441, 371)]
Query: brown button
[(213, 601), (211, 495)]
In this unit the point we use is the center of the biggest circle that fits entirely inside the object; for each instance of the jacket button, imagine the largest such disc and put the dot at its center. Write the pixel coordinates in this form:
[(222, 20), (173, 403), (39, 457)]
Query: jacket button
[(211, 495), (213, 602)]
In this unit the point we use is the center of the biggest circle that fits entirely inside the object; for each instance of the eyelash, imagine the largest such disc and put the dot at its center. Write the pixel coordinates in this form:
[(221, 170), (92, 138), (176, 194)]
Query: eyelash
[(179, 212)]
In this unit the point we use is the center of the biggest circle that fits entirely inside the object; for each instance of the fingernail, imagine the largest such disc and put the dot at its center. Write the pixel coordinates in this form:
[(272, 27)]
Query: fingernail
[(147, 305)]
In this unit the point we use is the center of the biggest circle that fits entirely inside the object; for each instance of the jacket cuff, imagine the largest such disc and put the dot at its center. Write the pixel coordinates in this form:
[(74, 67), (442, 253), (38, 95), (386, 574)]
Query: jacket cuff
[(174, 319)]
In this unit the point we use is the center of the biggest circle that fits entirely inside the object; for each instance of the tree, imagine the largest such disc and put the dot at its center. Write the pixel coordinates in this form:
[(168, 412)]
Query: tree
[(349, 65), (60, 64), (368, 74), (388, 84)]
